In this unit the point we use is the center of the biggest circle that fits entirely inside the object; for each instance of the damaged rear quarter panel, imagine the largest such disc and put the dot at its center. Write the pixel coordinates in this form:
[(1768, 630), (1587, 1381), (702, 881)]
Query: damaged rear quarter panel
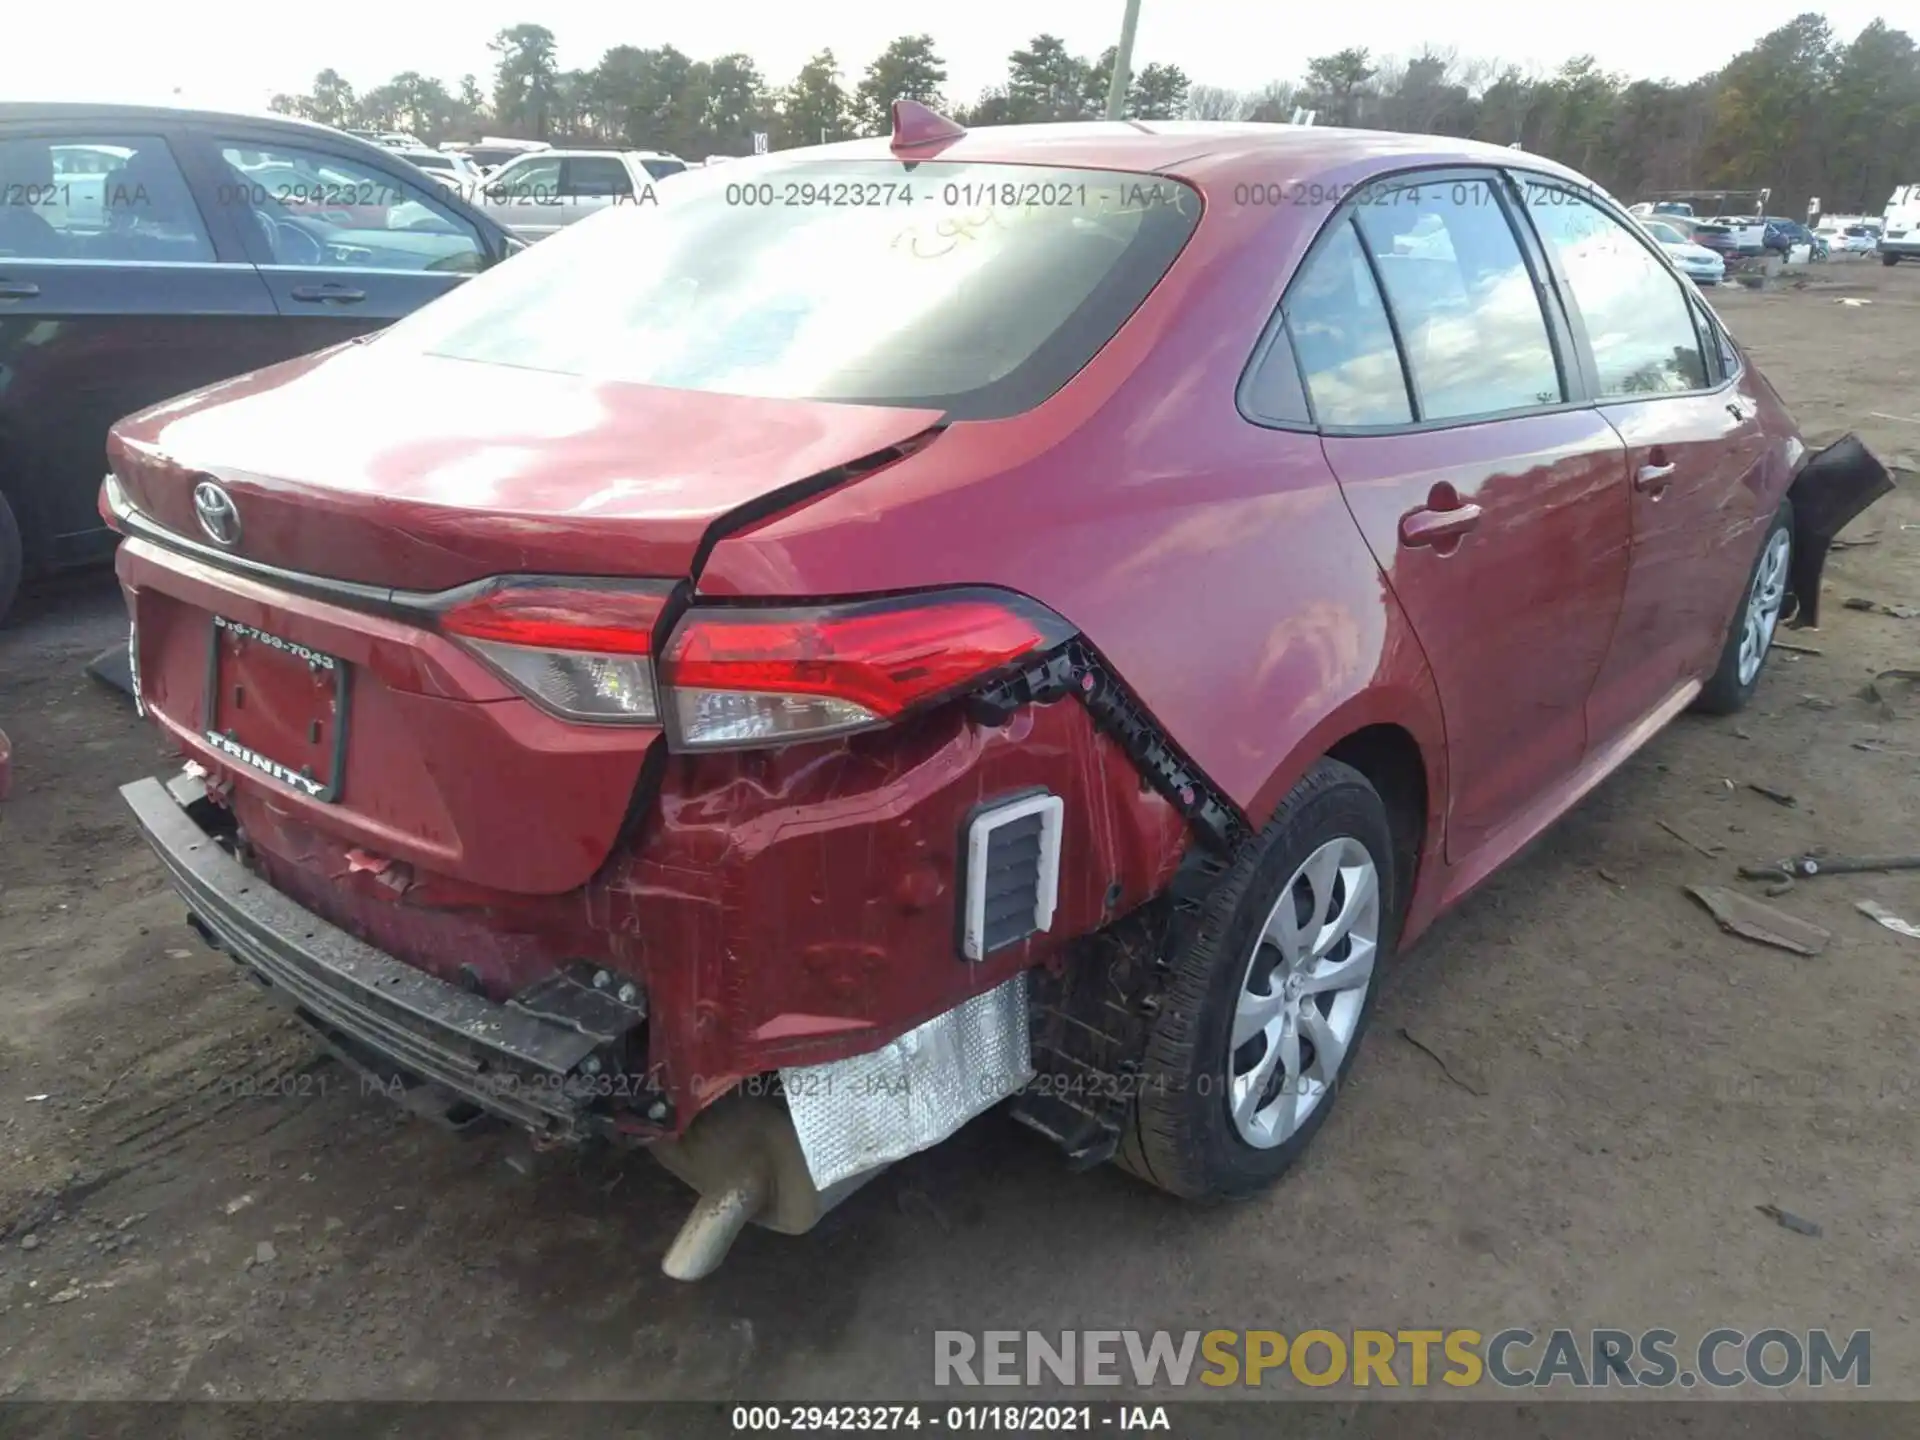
[(799, 905), (781, 907)]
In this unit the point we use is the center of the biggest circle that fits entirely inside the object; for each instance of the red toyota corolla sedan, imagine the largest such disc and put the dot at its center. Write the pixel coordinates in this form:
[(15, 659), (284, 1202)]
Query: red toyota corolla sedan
[(1037, 613)]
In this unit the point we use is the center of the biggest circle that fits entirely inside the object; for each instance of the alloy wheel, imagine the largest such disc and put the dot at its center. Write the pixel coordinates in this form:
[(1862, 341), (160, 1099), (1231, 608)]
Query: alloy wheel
[(1304, 990), (1763, 604)]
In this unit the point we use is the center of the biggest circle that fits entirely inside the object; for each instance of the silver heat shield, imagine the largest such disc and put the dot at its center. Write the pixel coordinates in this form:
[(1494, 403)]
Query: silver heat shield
[(853, 1115)]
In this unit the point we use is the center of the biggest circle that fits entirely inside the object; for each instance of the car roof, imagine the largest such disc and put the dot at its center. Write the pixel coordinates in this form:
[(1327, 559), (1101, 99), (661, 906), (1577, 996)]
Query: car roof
[(570, 153), (68, 110), (1223, 149)]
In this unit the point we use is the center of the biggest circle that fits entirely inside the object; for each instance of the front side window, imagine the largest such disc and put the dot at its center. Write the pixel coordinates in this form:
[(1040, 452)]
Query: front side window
[(1635, 312), (312, 208), (97, 197), (970, 288), (1340, 333), (1469, 314)]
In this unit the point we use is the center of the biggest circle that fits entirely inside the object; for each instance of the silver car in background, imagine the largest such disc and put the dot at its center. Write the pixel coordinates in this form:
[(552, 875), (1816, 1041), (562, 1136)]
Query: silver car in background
[(542, 193), (456, 172)]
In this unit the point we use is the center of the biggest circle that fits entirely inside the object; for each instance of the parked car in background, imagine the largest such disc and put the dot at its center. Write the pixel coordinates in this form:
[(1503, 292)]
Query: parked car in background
[(390, 139), (1858, 239), (777, 660), (1718, 238), (1900, 233), (147, 251), (490, 153), (1696, 262), (1782, 235), (540, 194), (456, 172), (1749, 232)]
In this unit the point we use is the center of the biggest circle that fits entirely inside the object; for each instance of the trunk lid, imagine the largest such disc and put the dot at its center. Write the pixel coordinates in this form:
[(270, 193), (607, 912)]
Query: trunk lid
[(376, 465), (330, 713)]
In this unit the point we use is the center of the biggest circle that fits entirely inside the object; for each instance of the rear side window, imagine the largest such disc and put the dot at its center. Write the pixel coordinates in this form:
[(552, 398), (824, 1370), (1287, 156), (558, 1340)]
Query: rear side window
[(974, 289), (597, 175), (1342, 339), (97, 197), (1636, 314), (1464, 300), (537, 180), (660, 169)]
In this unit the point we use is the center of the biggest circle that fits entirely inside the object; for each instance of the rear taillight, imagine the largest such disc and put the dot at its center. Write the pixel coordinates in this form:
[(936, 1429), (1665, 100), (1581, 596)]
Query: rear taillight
[(581, 649), (735, 678)]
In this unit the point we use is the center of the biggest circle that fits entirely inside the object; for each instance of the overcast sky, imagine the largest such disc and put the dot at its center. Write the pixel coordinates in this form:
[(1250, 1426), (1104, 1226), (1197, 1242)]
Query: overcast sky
[(237, 56)]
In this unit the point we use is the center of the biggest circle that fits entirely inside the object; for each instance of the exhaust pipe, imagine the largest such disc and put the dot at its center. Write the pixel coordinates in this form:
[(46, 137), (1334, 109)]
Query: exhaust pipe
[(716, 1222), (743, 1156)]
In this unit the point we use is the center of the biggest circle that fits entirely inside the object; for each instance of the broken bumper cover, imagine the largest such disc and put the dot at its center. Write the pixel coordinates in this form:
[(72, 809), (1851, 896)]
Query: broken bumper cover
[(366, 1003), (857, 1114)]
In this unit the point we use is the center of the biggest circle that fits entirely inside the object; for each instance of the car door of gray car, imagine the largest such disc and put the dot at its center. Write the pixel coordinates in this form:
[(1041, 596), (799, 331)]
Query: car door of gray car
[(116, 292)]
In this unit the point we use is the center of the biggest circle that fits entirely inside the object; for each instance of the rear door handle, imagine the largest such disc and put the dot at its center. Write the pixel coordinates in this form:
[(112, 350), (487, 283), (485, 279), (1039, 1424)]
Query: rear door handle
[(329, 293), (1652, 478), (18, 289), (1425, 528)]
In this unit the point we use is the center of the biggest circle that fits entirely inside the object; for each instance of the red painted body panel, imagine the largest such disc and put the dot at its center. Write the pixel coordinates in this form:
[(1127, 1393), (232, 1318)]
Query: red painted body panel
[(1693, 542), (780, 908), (463, 471), (1517, 616), (444, 766)]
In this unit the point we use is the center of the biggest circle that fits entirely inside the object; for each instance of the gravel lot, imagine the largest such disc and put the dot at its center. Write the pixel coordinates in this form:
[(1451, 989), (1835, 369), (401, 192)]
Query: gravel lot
[(193, 1205)]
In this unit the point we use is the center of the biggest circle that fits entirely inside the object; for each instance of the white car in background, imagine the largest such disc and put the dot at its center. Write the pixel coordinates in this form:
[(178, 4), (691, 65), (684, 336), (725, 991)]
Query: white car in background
[(1848, 239), (542, 193), (456, 172), (1696, 262), (1900, 236)]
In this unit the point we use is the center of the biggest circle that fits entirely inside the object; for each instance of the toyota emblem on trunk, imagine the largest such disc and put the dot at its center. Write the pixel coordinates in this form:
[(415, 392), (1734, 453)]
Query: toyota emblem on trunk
[(219, 517)]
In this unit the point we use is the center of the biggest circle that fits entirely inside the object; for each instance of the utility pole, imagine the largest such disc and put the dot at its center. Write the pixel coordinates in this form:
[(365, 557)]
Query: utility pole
[(1123, 64)]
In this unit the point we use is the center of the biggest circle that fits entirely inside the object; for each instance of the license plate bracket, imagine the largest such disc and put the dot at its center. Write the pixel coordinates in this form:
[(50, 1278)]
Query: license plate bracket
[(277, 707)]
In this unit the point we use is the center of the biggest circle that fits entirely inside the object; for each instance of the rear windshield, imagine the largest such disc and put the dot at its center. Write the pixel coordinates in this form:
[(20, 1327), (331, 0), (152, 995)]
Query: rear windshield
[(974, 289), (660, 169)]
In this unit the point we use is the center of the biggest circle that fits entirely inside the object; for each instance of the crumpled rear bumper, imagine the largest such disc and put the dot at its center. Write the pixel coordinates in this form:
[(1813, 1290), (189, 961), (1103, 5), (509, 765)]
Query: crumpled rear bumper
[(369, 1006)]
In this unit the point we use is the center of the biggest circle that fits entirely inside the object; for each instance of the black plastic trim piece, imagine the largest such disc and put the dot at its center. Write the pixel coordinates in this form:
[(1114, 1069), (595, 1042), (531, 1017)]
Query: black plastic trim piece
[(508, 1063), (1077, 669)]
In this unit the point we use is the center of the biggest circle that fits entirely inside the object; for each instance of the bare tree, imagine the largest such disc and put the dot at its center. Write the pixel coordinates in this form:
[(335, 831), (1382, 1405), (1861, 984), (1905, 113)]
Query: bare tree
[(1216, 102)]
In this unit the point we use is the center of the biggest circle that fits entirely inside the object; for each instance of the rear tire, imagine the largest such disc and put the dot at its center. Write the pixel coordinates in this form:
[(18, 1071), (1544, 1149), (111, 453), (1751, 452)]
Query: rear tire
[(11, 560), (1887, 258), (1743, 658), (1287, 955)]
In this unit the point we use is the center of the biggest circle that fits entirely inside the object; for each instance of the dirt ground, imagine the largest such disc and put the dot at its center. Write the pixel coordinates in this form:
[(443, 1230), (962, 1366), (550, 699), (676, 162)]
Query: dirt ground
[(194, 1205)]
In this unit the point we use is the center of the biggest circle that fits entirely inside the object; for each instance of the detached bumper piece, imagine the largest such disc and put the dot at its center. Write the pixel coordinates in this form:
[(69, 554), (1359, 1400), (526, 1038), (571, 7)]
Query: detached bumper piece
[(1831, 489), (382, 1016)]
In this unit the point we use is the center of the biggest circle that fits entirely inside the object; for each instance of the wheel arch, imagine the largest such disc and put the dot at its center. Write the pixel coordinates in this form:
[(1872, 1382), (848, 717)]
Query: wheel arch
[(1392, 761), (1393, 734)]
